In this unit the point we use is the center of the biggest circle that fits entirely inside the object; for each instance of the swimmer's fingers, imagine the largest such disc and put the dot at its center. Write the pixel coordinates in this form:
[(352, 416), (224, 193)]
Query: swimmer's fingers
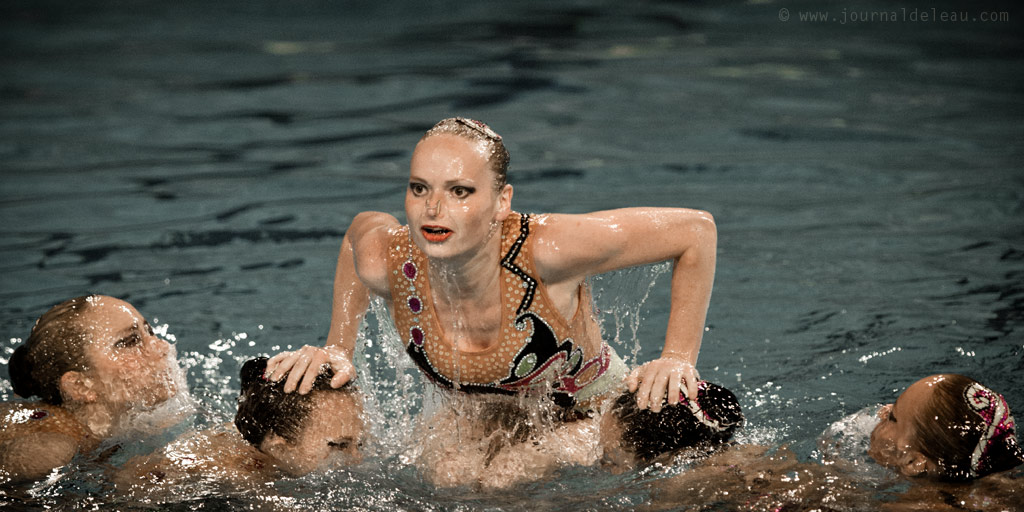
[(297, 372), (662, 377), (647, 376), (692, 378), (675, 381), (279, 365), (301, 369), (316, 362), (344, 371), (633, 379)]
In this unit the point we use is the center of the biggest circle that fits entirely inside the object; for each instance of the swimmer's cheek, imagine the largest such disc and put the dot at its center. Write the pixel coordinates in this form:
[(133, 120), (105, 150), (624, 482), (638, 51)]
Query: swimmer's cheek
[(33, 456)]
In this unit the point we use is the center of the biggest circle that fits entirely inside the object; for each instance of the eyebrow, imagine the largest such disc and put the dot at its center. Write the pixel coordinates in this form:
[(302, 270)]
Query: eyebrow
[(463, 182), (128, 330)]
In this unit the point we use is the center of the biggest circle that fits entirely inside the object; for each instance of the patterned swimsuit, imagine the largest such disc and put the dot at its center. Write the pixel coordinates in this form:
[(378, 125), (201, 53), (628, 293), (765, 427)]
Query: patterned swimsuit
[(540, 351)]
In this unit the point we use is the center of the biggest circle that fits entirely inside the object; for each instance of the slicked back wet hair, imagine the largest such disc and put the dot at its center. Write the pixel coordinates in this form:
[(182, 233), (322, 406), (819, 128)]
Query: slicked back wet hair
[(55, 346), (950, 431), (264, 407), (700, 426), (477, 131)]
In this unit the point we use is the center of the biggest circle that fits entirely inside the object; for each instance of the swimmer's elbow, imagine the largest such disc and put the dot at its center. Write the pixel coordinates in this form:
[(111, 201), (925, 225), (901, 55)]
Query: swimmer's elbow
[(368, 221), (704, 229), (702, 239)]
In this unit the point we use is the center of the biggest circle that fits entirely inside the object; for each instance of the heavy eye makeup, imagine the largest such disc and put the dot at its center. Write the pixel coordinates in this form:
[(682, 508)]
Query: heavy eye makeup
[(417, 189), (462, 192)]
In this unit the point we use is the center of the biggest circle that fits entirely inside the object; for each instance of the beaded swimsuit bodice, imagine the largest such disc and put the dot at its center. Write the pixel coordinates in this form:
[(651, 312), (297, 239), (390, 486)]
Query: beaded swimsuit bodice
[(538, 350)]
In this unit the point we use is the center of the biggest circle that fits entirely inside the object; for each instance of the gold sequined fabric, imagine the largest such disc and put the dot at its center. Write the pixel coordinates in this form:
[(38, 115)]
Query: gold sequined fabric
[(499, 366)]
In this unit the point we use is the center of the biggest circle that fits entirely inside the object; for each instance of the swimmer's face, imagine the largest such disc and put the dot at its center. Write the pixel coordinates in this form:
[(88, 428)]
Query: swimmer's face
[(451, 203), (128, 364), (333, 431), (894, 440)]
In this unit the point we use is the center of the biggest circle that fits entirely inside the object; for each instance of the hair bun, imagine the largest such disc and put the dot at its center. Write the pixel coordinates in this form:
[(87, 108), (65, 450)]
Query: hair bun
[(21, 373), (720, 405), (253, 371)]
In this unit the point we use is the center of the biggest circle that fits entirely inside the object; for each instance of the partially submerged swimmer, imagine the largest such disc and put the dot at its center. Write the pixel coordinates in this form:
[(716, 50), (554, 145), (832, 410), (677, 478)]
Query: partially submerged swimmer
[(512, 450), (276, 434), (697, 426), (947, 427), (300, 433), (953, 433), (93, 361)]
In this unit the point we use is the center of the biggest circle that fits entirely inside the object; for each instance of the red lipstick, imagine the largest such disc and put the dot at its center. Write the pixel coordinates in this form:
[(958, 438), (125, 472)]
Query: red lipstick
[(436, 234)]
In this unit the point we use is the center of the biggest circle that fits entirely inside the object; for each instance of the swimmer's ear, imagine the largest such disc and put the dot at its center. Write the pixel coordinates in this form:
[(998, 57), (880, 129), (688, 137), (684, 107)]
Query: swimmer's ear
[(914, 463), (504, 202), (273, 445), (76, 387)]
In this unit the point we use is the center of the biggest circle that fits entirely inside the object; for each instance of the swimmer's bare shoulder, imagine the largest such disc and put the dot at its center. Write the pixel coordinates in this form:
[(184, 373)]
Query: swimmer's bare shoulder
[(369, 235), (570, 247), (36, 438), (218, 454)]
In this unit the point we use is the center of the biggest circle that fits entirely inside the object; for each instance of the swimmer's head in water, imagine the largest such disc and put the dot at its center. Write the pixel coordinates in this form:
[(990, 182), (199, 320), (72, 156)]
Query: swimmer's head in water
[(476, 131), (94, 349), (301, 432), (703, 424), (949, 427)]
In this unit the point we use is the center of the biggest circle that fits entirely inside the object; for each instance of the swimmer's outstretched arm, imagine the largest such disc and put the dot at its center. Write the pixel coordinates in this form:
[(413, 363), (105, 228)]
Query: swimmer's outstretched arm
[(361, 270), (570, 248)]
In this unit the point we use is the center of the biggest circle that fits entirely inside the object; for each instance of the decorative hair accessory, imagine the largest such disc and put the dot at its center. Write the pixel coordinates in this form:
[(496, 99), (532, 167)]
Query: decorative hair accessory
[(995, 414), (719, 424), (479, 126)]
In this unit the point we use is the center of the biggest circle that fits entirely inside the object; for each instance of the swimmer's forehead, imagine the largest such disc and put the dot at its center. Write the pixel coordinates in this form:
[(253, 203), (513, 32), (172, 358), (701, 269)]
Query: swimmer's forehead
[(916, 396), (109, 314), (451, 152)]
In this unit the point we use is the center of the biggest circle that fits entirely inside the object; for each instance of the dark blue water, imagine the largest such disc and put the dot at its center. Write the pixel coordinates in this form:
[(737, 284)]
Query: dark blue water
[(203, 159)]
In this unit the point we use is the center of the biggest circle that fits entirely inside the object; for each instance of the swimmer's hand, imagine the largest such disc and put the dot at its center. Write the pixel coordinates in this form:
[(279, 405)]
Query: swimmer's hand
[(303, 365), (654, 380)]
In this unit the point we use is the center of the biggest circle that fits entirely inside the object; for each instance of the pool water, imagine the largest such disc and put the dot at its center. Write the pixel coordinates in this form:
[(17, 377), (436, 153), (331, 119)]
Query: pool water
[(202, 160)]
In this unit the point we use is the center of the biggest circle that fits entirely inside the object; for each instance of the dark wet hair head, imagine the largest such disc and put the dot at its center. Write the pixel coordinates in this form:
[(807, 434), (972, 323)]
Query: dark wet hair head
[(967, 430), (55, 346), (264, 407), (703, 425), (477, 131)]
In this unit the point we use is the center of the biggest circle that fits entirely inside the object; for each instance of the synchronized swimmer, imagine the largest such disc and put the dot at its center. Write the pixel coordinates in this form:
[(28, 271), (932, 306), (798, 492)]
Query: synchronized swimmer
[(494, 309)]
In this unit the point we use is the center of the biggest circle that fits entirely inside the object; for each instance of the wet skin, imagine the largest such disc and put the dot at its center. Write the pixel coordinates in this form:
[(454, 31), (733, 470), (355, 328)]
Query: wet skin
[(129, 364), (451, 203), (333, 432), (126, 366), (893, 441)]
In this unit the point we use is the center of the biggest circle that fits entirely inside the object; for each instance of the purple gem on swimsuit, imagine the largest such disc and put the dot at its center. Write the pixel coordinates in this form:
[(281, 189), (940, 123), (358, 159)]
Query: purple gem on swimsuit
[(409, 269), (415, 305), (417, 336)]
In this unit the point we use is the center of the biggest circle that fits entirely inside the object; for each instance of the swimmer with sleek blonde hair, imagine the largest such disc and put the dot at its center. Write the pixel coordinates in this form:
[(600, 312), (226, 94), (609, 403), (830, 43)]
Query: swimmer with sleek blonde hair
[(92, 361)]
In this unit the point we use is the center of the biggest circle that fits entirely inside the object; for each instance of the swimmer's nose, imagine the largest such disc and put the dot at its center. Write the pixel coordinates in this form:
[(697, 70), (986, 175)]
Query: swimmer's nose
[(883, 411), (433, 205), (159, 345)]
